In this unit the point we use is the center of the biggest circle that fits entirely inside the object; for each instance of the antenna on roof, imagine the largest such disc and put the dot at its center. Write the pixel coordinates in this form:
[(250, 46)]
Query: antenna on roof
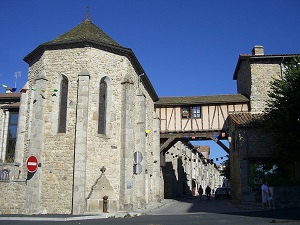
[(88, 14), (16, 75)]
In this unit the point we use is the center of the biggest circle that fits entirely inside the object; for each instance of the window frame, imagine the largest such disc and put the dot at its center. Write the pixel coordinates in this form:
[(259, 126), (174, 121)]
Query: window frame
[(10, 150), (189, 112)]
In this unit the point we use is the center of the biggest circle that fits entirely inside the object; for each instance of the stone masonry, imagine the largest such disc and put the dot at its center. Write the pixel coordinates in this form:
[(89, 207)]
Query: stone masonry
[(71, 161)]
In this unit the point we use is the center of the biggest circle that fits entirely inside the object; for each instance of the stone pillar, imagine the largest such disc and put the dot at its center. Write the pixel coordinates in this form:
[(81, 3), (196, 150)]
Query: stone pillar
[(20, 144), (140, 143), (127, 146), (157, 179), (79, 202), (36, 146)]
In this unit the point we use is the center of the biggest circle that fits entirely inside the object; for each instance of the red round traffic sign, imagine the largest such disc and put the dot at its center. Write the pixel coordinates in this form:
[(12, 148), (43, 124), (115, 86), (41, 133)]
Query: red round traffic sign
[(32, 164)]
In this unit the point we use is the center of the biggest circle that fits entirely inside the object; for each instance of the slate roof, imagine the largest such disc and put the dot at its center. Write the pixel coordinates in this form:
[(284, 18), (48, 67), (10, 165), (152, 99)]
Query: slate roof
[(83, 35), (86, 31), (246, 119), (88, 34), (201, 100)]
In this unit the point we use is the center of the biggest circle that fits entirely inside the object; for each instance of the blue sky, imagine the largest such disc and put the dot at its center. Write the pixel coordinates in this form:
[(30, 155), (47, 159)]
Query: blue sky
[(186, 47)]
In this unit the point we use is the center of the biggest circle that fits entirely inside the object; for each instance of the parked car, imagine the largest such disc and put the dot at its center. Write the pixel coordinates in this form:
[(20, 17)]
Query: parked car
[(222, 192)]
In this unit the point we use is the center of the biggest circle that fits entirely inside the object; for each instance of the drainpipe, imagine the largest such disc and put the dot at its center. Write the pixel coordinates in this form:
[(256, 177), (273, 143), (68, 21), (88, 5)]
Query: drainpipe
[(3, 152)]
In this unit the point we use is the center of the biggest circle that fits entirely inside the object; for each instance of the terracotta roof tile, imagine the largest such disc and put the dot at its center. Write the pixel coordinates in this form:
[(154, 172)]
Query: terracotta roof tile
[(246, 119), (205, 148)]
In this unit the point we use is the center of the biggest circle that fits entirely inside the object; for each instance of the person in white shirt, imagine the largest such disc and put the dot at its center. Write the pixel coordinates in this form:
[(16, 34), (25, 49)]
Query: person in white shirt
[(264, 193)]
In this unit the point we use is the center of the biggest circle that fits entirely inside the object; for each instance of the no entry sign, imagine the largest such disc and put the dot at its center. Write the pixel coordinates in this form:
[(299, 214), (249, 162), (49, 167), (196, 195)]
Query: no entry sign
[(32, 164)]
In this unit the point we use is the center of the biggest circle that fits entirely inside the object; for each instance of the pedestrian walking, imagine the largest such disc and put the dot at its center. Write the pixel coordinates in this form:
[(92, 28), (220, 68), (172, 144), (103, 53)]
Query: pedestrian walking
[(208, 192), (200, 192)]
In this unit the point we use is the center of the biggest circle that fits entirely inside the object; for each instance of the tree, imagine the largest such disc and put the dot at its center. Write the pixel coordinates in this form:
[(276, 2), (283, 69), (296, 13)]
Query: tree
[(226, 170), (282, 114)]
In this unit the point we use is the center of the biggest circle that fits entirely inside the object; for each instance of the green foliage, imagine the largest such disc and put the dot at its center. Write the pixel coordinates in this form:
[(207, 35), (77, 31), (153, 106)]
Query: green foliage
[(277, 174), (282, 118), (226, 170)]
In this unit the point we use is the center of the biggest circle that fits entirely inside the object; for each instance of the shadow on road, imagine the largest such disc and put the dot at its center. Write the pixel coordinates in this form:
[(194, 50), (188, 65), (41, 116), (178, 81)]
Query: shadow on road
[(226, 206)]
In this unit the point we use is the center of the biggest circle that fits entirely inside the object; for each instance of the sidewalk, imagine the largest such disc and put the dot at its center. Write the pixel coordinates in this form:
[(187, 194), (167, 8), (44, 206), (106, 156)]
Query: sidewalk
[(86, 216), (89, 216)]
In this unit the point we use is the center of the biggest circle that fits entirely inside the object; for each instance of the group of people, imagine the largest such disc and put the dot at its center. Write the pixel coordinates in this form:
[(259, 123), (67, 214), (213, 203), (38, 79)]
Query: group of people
[(207, 192), (267, 198)]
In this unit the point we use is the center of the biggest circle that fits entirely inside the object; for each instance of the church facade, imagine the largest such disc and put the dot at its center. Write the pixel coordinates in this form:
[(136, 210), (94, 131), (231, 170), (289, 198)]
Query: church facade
[(87, 115)]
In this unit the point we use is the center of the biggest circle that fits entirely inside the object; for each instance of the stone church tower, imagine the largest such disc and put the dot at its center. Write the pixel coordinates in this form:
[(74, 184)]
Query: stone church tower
[(89, 119)]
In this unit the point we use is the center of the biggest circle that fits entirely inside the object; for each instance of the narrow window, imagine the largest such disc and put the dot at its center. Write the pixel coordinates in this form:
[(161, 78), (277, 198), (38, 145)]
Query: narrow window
[(102, 107), (11, 137), (62, 126), (196, 112)]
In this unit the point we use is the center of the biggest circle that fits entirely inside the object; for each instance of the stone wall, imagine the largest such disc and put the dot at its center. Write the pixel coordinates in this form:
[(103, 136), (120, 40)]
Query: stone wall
[(254, 77), (286, 197), (55, 184), (244, 79), (12, 197), (248, 144), (262, 73)]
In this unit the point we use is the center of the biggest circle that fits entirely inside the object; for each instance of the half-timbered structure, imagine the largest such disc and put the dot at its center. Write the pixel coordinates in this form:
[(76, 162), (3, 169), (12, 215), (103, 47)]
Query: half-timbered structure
[(184, 119), (194, 117)]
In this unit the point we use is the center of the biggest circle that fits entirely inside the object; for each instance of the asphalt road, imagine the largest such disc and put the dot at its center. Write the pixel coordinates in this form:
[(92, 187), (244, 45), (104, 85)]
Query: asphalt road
[(188, 211)]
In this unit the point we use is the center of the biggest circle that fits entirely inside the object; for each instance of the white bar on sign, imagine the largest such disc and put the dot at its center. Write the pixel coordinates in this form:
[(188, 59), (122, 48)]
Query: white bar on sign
[(31, 163)]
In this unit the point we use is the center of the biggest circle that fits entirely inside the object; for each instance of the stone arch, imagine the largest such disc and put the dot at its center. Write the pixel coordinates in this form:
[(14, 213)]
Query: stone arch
[(128, 79), (56, 96)]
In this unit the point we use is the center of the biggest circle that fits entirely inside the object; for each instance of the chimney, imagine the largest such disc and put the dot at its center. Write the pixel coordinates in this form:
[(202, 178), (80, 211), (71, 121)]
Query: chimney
[(258, 50)]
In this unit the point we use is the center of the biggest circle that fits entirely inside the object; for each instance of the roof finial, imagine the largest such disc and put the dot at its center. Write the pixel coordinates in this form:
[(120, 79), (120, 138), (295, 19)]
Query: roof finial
[(87, 14)]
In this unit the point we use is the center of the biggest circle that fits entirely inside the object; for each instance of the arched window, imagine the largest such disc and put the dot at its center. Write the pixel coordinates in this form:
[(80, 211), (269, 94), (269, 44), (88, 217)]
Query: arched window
[(102, 107), (62, 124)]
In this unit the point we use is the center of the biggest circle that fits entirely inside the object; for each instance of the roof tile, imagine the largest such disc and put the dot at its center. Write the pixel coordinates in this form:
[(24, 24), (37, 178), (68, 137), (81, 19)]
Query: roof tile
[(247, 119), (86, 31), (192, 100)]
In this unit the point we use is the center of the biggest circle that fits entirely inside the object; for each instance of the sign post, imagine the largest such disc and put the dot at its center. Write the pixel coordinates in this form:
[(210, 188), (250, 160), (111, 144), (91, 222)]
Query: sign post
[(32, 164)]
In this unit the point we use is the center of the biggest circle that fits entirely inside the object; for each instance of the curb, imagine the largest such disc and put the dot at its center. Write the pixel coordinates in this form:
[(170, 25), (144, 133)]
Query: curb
[(60, 218)]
